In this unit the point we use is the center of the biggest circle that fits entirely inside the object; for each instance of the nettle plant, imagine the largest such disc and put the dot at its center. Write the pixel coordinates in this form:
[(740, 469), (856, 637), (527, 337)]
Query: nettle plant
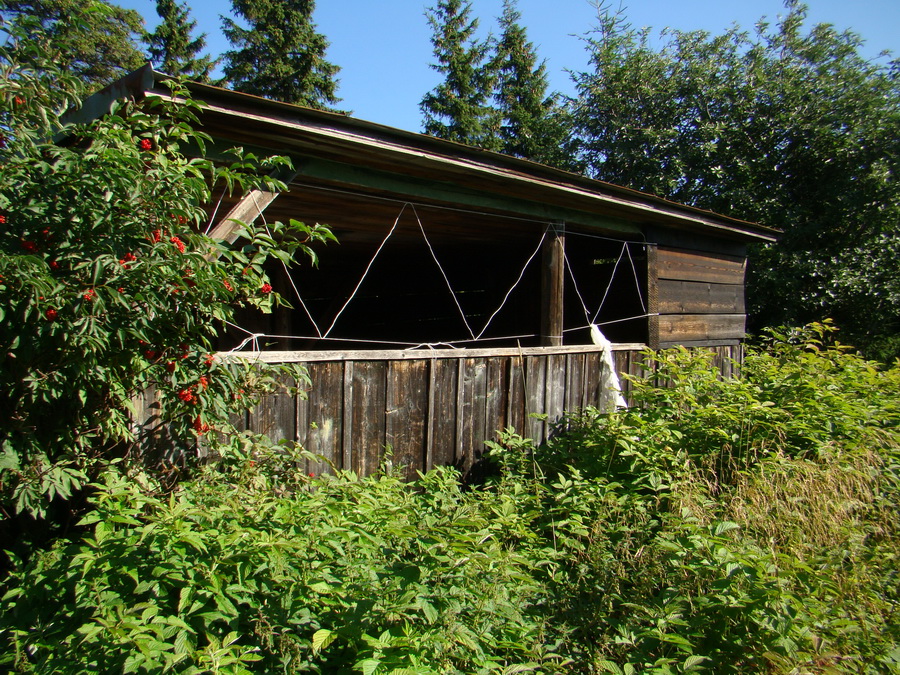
[(108, 284)]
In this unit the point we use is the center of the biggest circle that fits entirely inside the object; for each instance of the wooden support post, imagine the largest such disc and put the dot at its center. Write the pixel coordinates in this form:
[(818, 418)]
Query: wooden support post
[(247, 210), (652, 296), (552, 284)]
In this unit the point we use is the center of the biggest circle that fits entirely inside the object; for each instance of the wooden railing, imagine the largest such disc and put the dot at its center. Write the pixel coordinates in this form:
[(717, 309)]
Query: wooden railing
[(428, 408)]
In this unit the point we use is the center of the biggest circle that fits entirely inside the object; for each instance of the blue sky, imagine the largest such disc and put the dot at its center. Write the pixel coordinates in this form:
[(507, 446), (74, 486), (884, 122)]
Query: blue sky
[(384, 48)]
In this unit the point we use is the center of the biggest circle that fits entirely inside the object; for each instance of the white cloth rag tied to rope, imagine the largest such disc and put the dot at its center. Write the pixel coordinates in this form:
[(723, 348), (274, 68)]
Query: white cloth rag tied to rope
[(610, 391)]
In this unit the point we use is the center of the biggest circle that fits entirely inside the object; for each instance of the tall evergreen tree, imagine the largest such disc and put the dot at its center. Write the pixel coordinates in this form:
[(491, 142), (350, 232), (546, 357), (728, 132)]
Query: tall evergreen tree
[(459, 109), (172, 49), (95, 40), (533, 122), (280, 55)]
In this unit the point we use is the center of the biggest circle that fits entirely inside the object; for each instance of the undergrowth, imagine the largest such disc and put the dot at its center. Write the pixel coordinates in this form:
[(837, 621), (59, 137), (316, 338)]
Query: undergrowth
[(718, 525)]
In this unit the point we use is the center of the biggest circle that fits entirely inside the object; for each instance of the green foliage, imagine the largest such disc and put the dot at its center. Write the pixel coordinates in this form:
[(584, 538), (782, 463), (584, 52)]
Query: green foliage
[(720, 526), (789, 128), (107, 284), (172, 49), (96, 40), (279, 54), (255, 566), (459, 108)]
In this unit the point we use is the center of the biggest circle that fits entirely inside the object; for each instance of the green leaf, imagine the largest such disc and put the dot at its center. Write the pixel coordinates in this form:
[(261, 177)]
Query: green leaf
[(322, 638)]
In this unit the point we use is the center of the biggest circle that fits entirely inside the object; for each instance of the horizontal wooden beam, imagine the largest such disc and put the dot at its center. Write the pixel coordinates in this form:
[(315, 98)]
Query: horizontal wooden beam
[(699, 297), (685, 328), (694, 266), (407, 354)]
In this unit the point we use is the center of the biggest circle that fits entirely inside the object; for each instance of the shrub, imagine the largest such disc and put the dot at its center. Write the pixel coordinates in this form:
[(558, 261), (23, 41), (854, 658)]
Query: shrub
[(107, 283)]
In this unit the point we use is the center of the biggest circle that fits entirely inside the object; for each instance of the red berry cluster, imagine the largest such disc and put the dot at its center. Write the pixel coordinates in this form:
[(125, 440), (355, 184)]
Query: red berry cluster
[(200, 426), (145, 144), (89, 294), (127, 258), (178, 244), (265, 289)]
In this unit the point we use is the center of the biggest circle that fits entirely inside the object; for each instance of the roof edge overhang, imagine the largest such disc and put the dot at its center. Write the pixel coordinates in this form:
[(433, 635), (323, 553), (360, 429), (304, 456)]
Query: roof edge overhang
[(442, 155)]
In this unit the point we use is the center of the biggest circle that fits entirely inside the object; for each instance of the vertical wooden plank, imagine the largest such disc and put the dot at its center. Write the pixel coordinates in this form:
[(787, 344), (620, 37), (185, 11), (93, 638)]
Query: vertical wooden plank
[(516, 395), (444, 413), (366, 415), (301, 416), (653, 295), (274, 415), (496, 395), (555, 394), (474, 386), (552, 286), (575, 394), (407, 402), (325, 414), (347, 426), (535, 390), (591, 379)]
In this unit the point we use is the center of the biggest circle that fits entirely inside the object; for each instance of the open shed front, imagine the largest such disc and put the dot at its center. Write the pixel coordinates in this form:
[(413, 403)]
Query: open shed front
[(460, 297)]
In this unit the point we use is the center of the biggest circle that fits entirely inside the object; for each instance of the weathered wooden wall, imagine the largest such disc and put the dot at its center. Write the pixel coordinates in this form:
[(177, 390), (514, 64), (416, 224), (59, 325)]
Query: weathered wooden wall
[(700, 297), (434, 408)]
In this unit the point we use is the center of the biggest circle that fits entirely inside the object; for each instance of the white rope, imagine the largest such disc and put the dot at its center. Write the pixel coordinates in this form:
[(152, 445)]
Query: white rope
[(513, 287), (366, 272), (609, 286), (443, 274), (637, 281), (212, 216), (587, 313)]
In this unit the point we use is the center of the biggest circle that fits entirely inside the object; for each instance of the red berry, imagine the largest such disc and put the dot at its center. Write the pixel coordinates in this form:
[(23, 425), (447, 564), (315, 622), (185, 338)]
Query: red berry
[(51, 314), (265, 289), (2, 219), (178, 244), (170, 366), (30, 246), (145, 144), (89, 294)]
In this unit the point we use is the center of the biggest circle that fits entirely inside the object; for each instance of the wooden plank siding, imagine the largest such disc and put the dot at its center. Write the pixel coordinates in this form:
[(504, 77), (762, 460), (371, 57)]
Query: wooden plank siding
[(699, 298), (436, 408)]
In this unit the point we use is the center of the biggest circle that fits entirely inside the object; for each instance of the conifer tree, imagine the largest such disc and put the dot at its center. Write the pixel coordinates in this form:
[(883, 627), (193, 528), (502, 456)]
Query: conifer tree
[(459, 109), (172, 49), (280, 55), (533, 122)]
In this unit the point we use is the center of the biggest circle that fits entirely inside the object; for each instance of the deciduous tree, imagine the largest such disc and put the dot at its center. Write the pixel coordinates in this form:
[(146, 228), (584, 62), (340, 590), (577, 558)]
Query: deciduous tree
[(94, 39), (788, 127)]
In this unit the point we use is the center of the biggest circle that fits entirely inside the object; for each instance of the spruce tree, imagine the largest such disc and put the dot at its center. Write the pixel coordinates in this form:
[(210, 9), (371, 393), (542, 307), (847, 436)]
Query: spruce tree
[(459, 109), (171, 48), (280, 55), (533, 122)]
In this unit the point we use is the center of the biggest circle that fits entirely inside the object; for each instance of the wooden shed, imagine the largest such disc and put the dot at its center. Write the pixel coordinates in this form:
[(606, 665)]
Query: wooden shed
[(460, 297)]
